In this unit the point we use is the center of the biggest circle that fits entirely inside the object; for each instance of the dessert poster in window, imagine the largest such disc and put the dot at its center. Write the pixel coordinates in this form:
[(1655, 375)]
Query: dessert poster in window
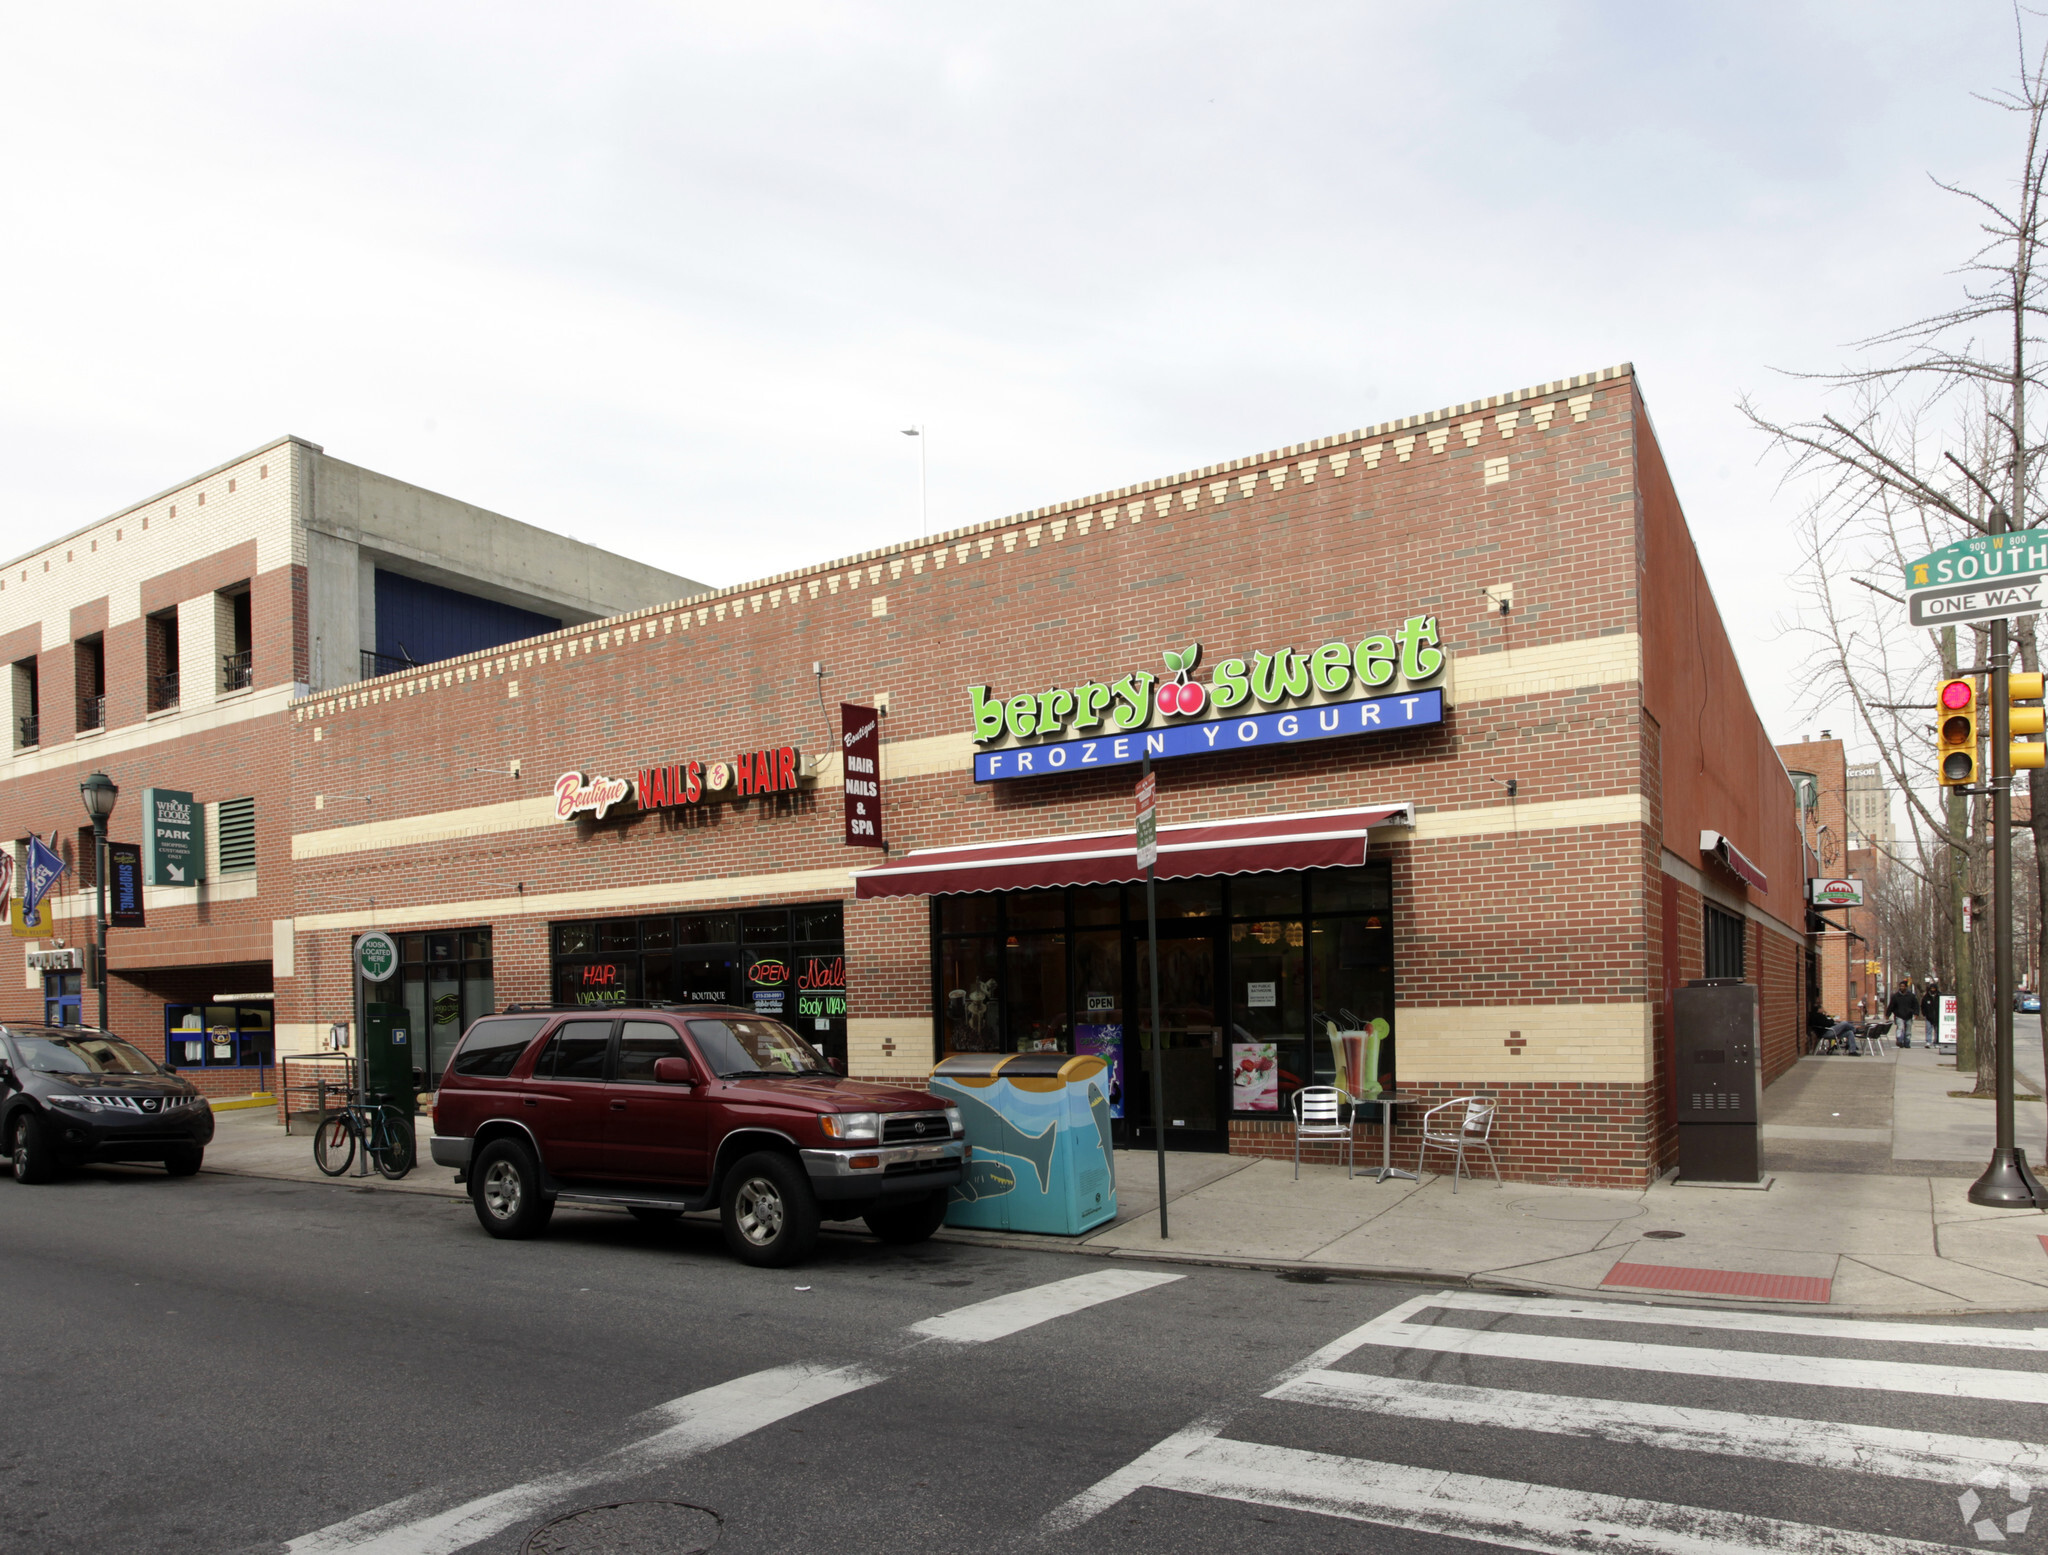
[(1255, 1076)]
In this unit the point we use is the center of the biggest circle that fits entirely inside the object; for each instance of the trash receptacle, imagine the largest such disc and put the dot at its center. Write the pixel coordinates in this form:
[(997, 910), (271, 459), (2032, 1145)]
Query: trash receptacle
[(1038, 1125)]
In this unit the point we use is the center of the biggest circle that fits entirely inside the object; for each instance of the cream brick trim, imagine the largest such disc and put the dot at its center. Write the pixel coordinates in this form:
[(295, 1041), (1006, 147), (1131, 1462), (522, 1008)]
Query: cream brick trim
[(164, 898), (1595, 1044), (675, 893), (441, 826), (1550, 815), (1566, 666), (887, 1045), (95, 750)]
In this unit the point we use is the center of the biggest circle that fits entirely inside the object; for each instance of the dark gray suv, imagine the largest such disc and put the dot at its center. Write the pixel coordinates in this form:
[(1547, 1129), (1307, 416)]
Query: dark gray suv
[(72, 1094)]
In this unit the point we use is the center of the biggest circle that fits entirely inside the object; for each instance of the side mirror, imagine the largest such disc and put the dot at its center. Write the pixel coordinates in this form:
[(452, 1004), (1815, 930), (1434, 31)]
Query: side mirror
[(836, 1065), (674, 1071)]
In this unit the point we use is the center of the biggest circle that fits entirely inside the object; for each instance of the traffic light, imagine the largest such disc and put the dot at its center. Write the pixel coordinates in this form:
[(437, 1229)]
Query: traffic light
[(2022, 687), (1955, 745)]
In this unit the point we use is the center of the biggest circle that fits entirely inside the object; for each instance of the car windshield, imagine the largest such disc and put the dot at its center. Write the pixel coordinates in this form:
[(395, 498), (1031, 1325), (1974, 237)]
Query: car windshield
[(736, 1046), (81, 1055)]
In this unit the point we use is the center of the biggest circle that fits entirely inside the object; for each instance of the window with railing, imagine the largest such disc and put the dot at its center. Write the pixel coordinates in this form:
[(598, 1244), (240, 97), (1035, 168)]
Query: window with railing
[(236, 671), (89, 659), (161, 645), (237, 835), (22, 684)]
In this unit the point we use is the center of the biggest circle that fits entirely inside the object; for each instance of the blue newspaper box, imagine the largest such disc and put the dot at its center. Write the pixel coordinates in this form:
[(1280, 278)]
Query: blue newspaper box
[(1039, 1127)]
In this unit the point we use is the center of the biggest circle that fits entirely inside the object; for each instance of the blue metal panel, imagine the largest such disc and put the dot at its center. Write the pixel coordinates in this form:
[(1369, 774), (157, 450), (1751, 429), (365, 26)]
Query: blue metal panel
[(426, 622)]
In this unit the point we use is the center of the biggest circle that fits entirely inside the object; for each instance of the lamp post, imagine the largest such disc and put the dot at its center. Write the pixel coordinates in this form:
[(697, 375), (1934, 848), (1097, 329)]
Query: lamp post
[(924, 512), (99, 793)]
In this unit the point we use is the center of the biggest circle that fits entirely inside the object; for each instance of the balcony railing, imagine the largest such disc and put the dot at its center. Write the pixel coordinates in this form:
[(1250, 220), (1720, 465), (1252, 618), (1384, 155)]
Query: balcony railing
[(92, 713), (163, 692), (236, 672), (31, 729), (375, 663)]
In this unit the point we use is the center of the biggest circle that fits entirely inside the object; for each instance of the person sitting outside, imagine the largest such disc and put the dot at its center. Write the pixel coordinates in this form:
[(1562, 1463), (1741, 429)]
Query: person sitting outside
[(1904, 1005)]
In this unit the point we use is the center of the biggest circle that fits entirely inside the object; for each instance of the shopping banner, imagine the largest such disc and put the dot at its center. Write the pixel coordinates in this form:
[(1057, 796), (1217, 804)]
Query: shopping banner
[(860, 756)]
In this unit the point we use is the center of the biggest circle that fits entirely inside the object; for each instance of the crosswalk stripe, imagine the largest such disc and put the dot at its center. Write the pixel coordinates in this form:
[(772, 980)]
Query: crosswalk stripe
[(1981, 1382), (697, 1422), (1003, 1315), (1820, 1444), (2031, 1339), (700, 1421), (1522, 1516)]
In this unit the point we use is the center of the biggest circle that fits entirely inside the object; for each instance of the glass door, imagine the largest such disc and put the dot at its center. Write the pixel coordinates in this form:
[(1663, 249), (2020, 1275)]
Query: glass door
[(1191, 1033)]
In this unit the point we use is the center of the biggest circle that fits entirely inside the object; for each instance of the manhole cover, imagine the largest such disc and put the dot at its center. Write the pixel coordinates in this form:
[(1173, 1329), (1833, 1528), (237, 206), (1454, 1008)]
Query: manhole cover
[(628, 1528), (1665, 1236), (1576, 1209)]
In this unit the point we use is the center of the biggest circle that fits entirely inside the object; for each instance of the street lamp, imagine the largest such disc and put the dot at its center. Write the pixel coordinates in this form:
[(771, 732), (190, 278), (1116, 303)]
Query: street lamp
[(99, 793), (924, 512)]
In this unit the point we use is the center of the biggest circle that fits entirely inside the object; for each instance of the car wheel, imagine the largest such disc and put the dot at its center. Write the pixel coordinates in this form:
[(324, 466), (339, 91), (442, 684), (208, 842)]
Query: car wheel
[(34, 1159), (901, 1224), (769, 1214), (184, 1163), (505, 1188), (648, 1214)]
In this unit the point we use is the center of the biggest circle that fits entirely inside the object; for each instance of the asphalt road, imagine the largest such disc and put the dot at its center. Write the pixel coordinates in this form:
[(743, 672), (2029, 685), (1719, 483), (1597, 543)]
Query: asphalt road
[(225, 1365)]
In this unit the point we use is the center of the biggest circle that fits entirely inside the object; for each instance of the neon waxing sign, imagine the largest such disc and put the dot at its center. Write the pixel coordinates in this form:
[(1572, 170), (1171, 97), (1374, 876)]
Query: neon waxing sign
[(1305, 691)]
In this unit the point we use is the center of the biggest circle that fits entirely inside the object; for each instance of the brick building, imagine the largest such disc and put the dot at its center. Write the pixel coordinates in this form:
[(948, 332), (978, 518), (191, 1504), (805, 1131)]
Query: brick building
[(1470, 766), (167, 644)]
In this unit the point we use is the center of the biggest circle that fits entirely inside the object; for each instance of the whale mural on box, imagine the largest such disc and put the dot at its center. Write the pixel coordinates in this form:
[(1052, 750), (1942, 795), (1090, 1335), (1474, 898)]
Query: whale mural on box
[(1039, 1128)]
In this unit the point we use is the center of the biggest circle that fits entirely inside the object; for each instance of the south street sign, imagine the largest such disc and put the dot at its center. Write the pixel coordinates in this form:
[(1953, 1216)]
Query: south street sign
[(1324, 721), (1983, 578)]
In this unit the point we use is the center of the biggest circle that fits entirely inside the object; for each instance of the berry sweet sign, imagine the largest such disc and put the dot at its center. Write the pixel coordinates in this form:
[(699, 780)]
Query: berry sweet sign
[(1116, 723)]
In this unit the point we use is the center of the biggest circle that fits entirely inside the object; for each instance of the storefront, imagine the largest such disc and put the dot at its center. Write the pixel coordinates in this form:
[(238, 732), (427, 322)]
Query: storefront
[(1433, 767)]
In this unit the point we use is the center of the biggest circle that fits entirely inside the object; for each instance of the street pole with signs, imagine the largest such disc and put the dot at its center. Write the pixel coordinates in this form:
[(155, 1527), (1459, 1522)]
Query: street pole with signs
[(1992, 577), (1146, 796)]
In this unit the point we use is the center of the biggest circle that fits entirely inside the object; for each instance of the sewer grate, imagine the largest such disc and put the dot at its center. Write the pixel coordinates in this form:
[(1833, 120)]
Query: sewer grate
[(629, 1528)]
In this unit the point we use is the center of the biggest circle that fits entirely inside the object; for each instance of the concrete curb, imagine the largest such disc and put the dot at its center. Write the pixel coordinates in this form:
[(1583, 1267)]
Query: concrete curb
[(240, 1103)]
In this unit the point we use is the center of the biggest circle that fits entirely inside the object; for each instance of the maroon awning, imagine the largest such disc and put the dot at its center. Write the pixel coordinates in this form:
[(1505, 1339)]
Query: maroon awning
[(1717, 847), (1320, 839)]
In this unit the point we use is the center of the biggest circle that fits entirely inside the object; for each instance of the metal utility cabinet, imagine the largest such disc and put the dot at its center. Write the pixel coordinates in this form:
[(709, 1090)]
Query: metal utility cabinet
[(1719, 1079), (387, 1055)]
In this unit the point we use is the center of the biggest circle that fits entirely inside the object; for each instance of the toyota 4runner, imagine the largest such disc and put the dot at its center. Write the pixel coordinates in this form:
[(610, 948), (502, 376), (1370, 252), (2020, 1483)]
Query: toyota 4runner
[(665, 1110)]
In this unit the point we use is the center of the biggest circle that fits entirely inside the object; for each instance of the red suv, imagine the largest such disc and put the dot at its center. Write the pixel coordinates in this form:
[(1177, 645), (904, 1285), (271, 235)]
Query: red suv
[(664, 1110)]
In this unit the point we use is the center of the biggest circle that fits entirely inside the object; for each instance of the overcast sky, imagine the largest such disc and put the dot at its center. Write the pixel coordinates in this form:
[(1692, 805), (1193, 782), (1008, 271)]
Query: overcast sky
[(669, 278)]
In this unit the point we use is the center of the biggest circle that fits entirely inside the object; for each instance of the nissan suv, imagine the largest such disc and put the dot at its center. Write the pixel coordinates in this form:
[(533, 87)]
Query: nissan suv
[(71, 1094), (665, 1110)]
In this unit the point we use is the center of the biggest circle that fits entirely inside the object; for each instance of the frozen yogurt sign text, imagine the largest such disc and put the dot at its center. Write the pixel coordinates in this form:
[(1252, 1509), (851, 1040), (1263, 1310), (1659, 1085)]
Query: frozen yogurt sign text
[(1093, 723)]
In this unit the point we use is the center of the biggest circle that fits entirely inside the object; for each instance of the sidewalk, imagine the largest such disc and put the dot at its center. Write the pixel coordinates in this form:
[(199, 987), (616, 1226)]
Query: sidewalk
[(1866, 1213)]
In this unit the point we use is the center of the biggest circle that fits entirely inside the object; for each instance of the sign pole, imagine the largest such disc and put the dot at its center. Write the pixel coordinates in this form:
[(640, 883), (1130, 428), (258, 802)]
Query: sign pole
[(2006, 1181), (1148, 854), (99, 880)]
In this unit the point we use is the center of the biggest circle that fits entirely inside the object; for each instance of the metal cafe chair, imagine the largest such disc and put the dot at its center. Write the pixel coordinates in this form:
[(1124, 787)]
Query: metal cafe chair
[(1474, 1131), (1318, 1115)]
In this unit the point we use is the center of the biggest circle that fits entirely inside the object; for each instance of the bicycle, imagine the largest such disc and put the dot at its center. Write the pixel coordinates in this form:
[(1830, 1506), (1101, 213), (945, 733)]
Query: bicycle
[(383, 1132)]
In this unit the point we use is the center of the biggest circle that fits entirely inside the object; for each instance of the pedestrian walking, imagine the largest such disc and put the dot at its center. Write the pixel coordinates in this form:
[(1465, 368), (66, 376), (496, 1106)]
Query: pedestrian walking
[(1930, 1010), (1904, 1005)]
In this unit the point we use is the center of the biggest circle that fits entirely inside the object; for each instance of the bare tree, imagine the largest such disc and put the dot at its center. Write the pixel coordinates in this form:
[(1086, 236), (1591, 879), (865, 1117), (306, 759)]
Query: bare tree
[(1940, 437)]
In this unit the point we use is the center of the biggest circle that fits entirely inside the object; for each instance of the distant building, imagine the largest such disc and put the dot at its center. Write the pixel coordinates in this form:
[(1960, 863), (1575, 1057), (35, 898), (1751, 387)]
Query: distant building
[(1869, 806)]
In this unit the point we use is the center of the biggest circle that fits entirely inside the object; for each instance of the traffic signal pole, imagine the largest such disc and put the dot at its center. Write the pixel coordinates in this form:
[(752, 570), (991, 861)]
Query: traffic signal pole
[(2006, 1182)]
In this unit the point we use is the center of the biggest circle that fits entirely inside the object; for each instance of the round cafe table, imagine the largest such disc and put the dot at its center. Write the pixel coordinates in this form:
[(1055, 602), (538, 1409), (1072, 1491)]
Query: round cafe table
[(1389, 1100)]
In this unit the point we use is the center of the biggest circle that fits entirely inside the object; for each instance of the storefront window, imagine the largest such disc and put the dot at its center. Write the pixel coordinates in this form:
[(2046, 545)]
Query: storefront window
[(444, 982), (1036, 973), (1269, 1047), (780, 961), (1259, 969), (969, 982), (236, 1035)]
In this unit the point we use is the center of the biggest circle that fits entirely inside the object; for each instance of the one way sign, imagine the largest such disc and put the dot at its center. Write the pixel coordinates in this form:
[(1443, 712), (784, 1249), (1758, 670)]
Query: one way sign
[(1983, 578)]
